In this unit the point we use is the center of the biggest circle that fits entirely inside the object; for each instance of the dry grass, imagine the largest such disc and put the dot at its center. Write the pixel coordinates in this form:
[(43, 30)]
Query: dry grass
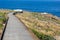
[(42, 23)]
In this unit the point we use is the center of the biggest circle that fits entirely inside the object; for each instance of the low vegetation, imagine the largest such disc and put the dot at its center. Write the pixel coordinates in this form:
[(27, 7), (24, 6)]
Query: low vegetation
[(3, 18), (45, 26), (42, 36)]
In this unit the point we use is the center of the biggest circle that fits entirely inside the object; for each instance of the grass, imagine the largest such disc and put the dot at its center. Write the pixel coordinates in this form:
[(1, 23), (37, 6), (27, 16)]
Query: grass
[(44, 18), (1, 26), (2, 19), (42, 36), (46, 27)]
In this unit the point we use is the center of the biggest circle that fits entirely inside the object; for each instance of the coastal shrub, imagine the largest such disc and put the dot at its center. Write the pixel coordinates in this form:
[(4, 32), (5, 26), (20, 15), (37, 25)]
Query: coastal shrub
[(1, 25), (2, 20), (42, 36), (2, 17)]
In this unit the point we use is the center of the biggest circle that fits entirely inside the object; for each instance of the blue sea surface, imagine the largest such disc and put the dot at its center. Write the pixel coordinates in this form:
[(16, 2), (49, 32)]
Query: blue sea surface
[(52, 7)]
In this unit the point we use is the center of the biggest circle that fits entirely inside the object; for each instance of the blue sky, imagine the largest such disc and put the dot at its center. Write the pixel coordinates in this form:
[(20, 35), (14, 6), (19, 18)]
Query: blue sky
[(29, 0)]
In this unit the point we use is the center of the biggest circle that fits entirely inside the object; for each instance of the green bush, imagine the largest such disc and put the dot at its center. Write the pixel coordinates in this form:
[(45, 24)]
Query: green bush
[(1, 26), (42, 36), (2, 17)]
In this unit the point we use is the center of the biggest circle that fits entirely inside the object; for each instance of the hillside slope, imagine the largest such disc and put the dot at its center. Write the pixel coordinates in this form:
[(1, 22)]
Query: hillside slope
[(46, 24)]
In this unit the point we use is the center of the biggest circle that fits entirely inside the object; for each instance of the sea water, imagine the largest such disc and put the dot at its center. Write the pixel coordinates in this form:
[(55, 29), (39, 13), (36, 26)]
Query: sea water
[(52, 7)]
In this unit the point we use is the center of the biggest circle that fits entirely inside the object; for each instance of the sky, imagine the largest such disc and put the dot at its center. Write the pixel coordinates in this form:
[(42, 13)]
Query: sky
[(29, 0)]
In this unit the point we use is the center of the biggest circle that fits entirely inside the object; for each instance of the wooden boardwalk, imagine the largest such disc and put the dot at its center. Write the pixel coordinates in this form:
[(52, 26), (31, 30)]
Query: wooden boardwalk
[(15, 30)]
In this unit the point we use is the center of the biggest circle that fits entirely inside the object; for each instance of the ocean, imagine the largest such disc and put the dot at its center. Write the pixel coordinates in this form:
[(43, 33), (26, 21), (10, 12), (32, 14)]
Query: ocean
[(52, 7)]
